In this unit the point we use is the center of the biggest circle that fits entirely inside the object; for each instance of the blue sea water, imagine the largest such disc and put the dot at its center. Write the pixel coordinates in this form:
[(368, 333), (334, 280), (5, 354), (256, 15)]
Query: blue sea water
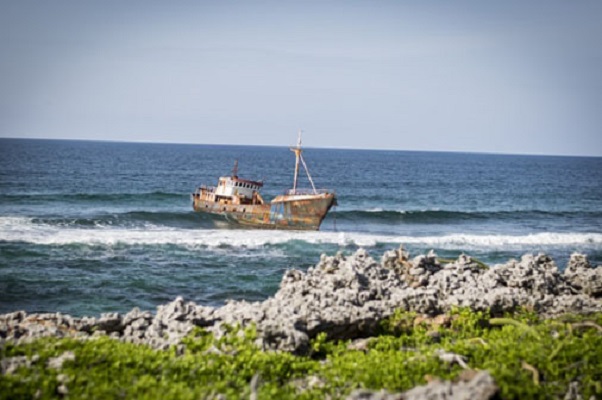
[(90, 227)]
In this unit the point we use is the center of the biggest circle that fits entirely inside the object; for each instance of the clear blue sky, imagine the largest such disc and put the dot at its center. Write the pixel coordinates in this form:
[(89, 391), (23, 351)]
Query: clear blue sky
[(485, 76)]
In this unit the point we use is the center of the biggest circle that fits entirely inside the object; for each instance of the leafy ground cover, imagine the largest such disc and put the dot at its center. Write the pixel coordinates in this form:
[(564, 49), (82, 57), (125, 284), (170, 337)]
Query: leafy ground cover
[(529, 357)]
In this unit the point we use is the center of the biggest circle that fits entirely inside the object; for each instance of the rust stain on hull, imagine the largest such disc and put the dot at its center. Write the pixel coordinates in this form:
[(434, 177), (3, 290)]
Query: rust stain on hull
[(292, 212)]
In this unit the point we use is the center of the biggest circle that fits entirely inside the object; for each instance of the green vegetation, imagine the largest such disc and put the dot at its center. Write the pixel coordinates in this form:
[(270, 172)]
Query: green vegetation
[(529, 357)]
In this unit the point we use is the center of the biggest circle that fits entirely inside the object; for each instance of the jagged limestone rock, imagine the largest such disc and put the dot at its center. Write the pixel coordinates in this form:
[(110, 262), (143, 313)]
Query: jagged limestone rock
[(345, 297), (481, 386)]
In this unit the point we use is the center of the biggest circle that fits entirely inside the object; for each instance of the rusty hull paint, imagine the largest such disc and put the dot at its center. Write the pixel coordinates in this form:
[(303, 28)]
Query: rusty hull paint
[(294, 212)]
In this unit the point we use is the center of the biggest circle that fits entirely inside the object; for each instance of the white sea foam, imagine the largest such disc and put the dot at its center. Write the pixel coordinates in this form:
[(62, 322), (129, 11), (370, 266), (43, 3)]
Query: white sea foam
[(18, 229)]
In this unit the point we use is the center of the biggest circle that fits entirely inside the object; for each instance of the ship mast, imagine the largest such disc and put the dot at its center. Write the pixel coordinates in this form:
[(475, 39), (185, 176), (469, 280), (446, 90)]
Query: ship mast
[(235, 169), (297, 150), (298, 157)]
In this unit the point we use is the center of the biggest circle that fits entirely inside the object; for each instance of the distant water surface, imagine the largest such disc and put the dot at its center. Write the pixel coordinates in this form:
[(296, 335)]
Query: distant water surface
[(90, 227)]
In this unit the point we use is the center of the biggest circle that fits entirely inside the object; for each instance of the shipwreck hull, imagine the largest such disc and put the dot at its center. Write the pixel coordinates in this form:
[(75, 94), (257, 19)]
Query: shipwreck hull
[(239, 200), (294, 212)]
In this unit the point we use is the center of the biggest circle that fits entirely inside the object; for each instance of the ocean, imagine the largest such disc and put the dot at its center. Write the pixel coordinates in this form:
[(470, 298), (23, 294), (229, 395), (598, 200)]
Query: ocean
[(89, 227)]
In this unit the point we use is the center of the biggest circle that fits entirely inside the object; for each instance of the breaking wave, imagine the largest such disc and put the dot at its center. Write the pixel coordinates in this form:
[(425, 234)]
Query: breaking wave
[(28, 230), (131, 219), (379, 215)]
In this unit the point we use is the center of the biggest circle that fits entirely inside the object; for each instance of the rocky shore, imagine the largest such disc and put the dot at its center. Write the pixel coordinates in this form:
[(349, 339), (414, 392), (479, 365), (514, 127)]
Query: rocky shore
[(346, 297)]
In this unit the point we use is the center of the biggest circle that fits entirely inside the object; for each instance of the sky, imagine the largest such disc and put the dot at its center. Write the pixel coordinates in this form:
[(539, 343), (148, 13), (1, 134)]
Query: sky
[(520, 77)]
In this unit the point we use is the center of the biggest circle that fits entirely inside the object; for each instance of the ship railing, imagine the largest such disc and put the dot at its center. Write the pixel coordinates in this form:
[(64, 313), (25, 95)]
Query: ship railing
[(206, 189), (307, 191)]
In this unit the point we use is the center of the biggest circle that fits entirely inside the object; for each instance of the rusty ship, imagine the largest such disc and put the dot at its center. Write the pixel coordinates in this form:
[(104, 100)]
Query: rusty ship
[(239, 200)]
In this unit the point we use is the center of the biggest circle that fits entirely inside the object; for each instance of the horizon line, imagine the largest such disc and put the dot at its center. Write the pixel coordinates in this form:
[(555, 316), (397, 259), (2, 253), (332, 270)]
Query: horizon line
[(306, 147)]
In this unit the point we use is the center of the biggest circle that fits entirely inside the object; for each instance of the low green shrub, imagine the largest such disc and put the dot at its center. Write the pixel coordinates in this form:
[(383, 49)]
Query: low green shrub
[(529, 357)]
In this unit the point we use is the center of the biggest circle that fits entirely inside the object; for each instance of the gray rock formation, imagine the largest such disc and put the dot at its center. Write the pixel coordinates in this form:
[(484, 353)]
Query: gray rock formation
[(478, 386), (345, 297), (582, 278)]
